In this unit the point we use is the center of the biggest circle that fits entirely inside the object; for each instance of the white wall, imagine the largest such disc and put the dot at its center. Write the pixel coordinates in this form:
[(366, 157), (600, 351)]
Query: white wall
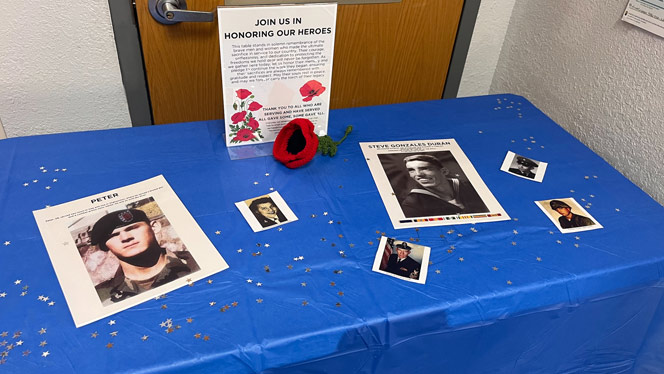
[(597, 76), (59, 69), (490, 29)]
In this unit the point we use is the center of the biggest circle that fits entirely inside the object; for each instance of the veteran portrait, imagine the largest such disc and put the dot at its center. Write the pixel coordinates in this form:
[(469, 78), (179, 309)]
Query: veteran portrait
[(400, 263), (266, 212), (524, 167), (130, 236)]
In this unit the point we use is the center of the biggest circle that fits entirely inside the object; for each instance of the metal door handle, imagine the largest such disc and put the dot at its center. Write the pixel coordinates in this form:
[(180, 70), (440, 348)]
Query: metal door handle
[(169, 12)]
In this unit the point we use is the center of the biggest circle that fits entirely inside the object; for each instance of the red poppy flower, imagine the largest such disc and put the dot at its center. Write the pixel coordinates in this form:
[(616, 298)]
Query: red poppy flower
[(253, 124), (296, 143), (242, 93), (244, 135), (311, 89), (254, 106), (238, 117)]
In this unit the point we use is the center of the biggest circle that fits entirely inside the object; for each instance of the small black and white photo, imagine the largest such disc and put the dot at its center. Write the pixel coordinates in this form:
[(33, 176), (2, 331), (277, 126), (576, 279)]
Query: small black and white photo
[(401, 259), (430, 183), (266, 211), (568, 215), (524, 167)]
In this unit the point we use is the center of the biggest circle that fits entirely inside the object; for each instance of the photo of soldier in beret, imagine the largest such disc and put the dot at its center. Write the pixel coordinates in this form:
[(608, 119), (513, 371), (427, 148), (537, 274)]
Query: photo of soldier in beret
[(129, 238), (568, 215)]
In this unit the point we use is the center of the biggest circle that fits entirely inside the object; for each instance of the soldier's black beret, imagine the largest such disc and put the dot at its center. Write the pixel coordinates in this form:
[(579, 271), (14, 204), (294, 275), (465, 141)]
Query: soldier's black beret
[(105, 225), (555, 204)]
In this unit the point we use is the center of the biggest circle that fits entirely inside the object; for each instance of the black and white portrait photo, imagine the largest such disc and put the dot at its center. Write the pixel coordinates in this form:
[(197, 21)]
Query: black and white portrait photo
[(523, 167), (265, 212)]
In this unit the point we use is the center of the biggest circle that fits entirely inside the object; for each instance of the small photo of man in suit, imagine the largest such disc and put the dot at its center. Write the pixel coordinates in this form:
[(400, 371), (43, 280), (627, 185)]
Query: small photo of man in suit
[(266, 212)]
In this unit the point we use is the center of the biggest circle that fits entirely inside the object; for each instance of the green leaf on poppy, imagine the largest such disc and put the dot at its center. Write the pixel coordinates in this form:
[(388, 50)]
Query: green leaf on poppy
[(251, 97), (242, 104), (234, 106)]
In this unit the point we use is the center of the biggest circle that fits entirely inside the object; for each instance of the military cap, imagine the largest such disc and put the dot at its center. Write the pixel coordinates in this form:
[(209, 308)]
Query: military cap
[(102, 230), (555, 204), (525, 161), (427, 158), (404, 246)]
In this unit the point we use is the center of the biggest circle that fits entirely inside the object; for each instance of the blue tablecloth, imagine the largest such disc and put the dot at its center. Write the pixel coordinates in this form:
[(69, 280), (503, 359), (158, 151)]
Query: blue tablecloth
[(511, 296)]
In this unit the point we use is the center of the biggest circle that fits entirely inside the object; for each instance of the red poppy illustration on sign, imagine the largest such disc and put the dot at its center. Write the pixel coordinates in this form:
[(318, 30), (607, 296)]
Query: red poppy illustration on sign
[(245, 127), (311, 89)]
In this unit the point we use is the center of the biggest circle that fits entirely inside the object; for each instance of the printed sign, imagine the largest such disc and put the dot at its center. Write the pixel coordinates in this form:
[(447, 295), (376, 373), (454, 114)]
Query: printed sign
[(276, 65)]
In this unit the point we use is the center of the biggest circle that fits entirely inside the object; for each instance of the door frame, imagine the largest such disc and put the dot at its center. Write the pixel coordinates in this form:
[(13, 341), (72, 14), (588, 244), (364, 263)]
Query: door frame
[(134, 79)]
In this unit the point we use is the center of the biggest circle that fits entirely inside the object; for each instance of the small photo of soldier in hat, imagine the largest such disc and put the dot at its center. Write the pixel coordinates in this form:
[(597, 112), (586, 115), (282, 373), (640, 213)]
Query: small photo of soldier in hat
[(568, 215), (401, 259), (523, 167)]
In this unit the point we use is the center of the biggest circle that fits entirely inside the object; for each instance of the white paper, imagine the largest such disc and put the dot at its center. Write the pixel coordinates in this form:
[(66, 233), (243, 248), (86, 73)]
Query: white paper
[(276, 65), (646, 14), (417, 201), (80, 266)]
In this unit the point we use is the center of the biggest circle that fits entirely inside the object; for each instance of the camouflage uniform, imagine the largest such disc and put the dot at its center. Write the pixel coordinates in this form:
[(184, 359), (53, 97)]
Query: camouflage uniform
[(118, 288)]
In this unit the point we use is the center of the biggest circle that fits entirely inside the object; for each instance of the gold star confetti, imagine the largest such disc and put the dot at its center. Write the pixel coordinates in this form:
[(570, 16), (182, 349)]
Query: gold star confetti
[(494, 268), (461, 259), (239, 250), (313, 216), (197, 335), (43, 343), (513, 243), (259, 284), (260, 301), (351, 245), (234, 303), (42, 331), (164, 306), (338, 271), (45, 353), (8, 243), (206, 338), (303, 284), (449, 232), (3, 294), (212, 303), (114, 333), (19, 343), (290, 267), (437, 271), (3, 343), (515, 232), (144, 337), (24, 293), (169, 330), (26, 352), (559, 242), (307, 270), (449, 251), (94, 334), (576, 245), (430, 262), (267, 268), (217, 232), (459, 235), (304, 303), (267, 245), (111, 322), (551, 232), (332, 284), (340, 236), (256, 254), (190, 320), (337, 304), (539, 259), (280, 229), (209, 281), (109, 345), (17, 334), (340, 293), (509, 282), (577, 238), (370, 243)]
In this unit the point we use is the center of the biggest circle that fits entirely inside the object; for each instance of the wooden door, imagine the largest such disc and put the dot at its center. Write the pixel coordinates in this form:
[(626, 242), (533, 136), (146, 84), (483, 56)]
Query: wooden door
[(384, 53)]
